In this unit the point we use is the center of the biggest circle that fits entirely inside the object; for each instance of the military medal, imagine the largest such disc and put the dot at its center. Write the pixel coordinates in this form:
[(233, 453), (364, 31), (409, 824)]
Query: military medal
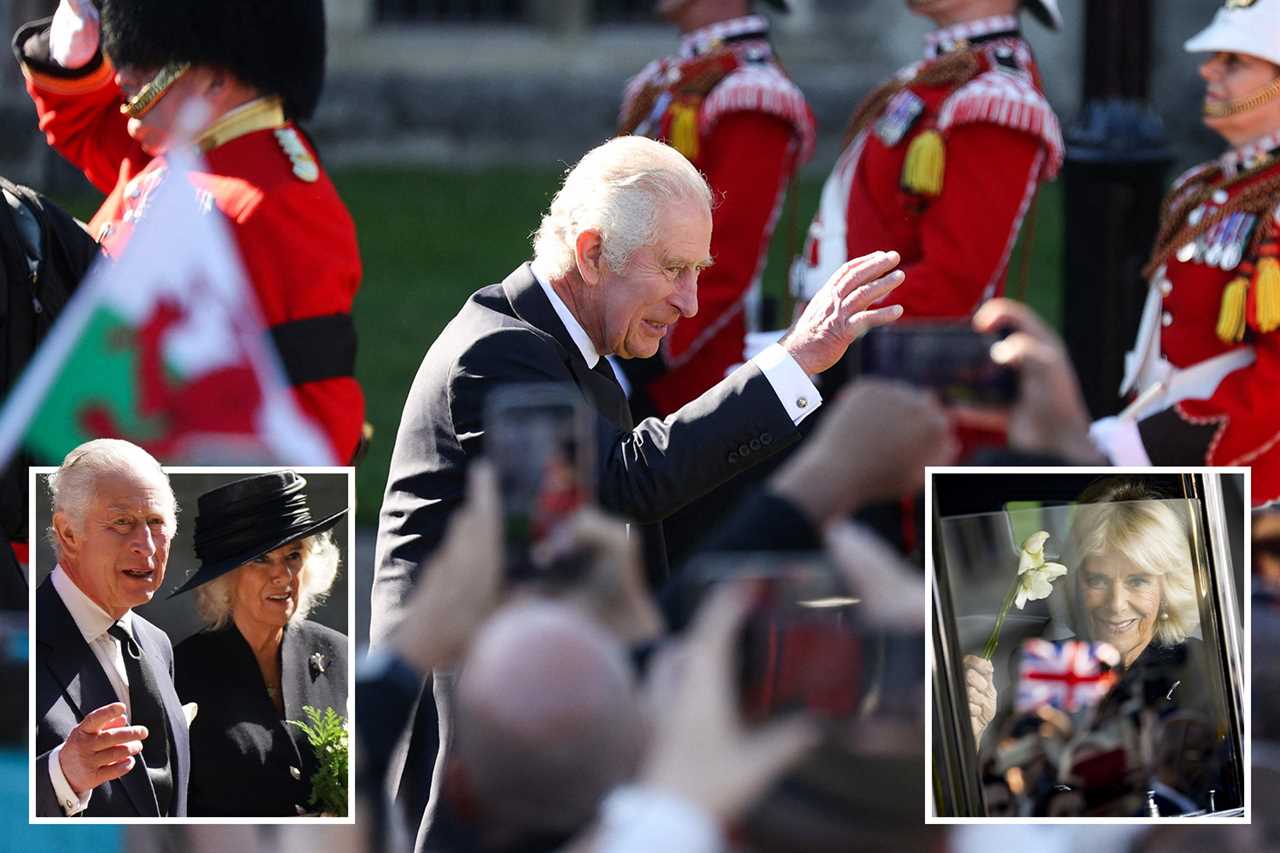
[(1237, 241), (1217, 239), (899, 114)]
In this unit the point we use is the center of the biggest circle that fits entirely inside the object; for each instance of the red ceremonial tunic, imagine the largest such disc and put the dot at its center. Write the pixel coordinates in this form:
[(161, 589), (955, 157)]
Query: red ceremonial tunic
[(1227, 233), (978, 94), (725, 103), (296, 238)]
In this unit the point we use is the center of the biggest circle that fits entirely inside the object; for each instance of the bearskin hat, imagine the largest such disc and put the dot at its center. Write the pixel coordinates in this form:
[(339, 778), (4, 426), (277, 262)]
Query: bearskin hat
[(276, 46)]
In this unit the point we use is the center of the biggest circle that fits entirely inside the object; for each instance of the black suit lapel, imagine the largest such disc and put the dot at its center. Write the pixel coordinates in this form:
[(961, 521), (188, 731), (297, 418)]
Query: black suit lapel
[(601, 388), (74, 667)]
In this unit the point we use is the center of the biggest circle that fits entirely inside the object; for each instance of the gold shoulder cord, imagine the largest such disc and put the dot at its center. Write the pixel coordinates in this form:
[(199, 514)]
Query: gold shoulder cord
[(1257, 199)]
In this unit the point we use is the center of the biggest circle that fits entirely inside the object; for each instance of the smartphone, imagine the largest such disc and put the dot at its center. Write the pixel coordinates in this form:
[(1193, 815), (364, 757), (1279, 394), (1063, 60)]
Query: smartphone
[(948, 358), (540, 439), (799, 647)]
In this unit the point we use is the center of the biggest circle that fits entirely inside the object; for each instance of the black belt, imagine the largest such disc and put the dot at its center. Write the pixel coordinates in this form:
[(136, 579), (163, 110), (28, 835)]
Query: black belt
[(316, 348)]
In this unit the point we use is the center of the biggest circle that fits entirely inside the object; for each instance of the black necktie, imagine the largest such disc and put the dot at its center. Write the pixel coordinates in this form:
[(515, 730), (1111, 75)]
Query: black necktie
[(147, 709), (616, 399)]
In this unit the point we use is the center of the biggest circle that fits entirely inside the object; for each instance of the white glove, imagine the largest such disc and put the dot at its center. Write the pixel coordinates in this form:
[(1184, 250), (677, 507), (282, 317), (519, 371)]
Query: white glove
[(1120, 440), (74, 34)]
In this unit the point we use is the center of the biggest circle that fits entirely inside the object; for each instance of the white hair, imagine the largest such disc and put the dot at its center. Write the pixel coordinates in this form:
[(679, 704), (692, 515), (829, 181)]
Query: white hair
[(215, 600), (618, 190), (1150, 535), (72, 486)]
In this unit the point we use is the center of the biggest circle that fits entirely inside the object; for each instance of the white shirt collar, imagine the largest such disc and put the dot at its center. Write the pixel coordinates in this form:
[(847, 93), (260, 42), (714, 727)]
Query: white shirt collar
[(89, 617), (708, 38), (579, 334), (949, 38)]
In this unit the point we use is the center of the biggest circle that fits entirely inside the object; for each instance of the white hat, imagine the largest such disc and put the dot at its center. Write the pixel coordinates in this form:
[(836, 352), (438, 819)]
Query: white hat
[(1242, 26), (1046, 11)]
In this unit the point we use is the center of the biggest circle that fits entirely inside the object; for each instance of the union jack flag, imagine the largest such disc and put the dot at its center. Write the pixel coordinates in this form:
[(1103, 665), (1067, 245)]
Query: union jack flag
[(1068, 674)]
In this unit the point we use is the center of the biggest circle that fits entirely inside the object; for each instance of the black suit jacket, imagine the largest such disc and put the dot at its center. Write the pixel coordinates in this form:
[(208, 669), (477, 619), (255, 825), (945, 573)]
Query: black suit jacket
[(508, 333), (70, 683), (246, 762)]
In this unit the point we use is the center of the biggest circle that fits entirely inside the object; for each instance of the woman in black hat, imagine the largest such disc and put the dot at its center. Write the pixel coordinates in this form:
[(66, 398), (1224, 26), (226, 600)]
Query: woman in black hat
[(265, 561)]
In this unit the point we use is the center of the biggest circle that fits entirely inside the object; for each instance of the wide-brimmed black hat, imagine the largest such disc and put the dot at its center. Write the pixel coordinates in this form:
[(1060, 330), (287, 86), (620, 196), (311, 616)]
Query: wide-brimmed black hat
[(246, 518), (276, 46)]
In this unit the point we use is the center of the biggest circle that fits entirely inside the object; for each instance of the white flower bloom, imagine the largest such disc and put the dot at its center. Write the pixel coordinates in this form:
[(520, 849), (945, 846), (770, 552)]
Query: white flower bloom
[(1035, 576)]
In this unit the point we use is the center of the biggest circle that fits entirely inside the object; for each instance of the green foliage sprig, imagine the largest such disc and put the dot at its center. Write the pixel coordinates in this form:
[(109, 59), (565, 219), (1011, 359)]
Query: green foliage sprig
[(327, 733)]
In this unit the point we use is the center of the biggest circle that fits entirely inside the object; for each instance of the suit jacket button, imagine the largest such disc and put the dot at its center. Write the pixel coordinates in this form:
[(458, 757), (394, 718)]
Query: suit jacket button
[(743, 450), (755, 444), (766, 439), (733, 457), (295, 773)]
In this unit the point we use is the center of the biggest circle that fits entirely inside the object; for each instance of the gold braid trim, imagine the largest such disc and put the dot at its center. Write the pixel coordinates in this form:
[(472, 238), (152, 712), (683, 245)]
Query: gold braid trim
[(1257, 199), (954, 69)]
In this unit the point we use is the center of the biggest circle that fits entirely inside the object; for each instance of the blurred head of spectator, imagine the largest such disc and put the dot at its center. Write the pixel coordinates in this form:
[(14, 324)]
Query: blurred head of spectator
[(547, 723)]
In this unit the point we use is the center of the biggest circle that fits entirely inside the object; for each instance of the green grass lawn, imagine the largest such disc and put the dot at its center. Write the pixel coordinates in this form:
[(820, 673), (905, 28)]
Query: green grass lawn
[(429, 237)]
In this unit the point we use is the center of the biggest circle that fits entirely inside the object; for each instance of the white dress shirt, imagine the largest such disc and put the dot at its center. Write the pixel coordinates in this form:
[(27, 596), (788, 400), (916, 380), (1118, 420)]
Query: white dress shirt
[(93, 623), (795, 390)]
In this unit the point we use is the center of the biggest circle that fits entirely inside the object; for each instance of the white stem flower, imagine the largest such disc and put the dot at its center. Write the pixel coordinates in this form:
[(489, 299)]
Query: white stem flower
[(1035, 575)]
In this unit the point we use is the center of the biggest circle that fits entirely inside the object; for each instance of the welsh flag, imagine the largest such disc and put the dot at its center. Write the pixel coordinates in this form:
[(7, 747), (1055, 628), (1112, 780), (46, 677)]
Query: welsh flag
[(164, 347)]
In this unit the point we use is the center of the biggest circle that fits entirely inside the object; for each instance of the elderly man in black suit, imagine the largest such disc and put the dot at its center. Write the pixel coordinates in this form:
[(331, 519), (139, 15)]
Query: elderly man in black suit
[(616, 263), (111, 735)]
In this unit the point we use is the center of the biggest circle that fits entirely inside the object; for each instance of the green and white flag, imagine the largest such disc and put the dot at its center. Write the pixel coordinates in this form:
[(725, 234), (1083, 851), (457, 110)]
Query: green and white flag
[(164, 347)]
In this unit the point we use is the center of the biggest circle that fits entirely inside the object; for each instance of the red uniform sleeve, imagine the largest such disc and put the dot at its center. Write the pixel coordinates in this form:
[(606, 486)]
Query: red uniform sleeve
[(81, 119), (968, 231), (750, 159)]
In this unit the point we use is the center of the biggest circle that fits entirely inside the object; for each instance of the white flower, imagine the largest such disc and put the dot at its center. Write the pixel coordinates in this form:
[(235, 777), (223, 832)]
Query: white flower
[(1035, 576)]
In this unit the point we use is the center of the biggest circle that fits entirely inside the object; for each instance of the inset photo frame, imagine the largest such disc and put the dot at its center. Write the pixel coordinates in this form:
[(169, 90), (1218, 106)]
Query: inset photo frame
[(1088, 646), (213, 605)]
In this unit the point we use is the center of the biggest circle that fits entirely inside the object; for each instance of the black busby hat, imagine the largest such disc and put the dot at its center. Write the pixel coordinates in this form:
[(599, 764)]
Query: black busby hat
[(276, 46), (244, 519)]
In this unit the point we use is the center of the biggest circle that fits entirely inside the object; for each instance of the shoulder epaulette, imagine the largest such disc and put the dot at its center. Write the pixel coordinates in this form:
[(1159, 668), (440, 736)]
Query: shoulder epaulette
[(1005, 93), (762, 88), (690, 80)]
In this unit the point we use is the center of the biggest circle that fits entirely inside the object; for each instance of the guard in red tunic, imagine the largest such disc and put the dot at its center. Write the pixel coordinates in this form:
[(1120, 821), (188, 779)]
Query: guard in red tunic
[(113, 108), (1205, 369), (941, 164), (725, 103)]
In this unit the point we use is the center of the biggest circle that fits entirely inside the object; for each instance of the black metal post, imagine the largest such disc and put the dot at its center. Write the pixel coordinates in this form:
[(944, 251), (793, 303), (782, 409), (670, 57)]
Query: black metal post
[(1116, 163)]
